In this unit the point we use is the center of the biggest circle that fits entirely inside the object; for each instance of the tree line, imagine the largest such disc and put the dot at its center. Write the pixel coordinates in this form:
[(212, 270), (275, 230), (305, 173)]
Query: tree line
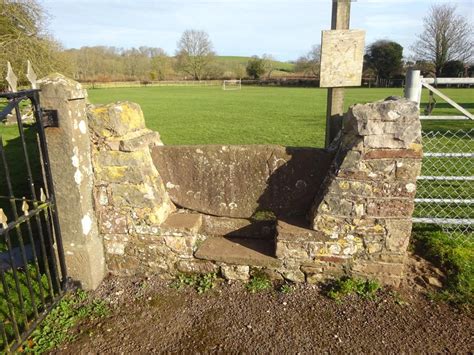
[(444, 48)]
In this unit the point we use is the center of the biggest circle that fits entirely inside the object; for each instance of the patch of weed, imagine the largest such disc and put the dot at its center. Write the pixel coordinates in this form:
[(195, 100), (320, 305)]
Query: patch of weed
[(183, 280), (205, 283), (55, 328), (455, 257), (341, 288), (286, 288), (258, 282), (201, 282), (263, 216)]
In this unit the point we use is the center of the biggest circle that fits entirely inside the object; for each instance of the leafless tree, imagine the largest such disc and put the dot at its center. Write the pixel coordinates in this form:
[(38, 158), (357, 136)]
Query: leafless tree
[(23, 36), (194, 53), (310, 63), (268, 64), (446, 36)]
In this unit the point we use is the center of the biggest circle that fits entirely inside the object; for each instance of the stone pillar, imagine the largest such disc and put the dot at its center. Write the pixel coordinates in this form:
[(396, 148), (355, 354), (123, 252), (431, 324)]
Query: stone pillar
[(69, 152), (131, 200), (368, 200)]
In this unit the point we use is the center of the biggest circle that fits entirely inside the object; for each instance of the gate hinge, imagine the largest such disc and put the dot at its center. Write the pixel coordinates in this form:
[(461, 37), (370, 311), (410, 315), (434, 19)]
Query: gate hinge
[(50, 118)]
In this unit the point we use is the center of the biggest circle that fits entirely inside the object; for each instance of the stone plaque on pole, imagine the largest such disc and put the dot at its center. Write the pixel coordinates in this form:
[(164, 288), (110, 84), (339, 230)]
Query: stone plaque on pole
[(342, 58), (341, 10)]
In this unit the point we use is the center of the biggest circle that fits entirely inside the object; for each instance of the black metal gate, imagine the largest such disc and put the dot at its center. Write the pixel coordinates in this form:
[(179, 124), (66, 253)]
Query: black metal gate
[(32, 267)]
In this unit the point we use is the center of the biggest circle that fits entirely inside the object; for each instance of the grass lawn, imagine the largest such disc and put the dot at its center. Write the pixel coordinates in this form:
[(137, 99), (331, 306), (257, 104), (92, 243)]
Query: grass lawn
[(286, 116)]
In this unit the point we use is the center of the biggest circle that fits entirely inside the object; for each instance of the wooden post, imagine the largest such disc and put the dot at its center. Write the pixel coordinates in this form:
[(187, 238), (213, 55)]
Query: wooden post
[(341, 10)]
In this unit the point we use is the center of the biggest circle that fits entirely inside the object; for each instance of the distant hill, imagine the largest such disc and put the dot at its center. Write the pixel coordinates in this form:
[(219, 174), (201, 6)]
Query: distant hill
[(232, 60)]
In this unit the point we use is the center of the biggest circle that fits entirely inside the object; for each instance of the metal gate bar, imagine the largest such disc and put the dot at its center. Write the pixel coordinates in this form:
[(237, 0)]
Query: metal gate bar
[(32, 265)]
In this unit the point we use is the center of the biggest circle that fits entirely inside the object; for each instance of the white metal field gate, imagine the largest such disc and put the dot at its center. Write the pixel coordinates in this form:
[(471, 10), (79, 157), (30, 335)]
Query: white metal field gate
[(445, 189)]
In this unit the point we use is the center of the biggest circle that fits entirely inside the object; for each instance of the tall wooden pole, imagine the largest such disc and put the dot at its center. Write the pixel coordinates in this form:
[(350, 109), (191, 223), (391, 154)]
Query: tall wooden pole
[(341, 13)]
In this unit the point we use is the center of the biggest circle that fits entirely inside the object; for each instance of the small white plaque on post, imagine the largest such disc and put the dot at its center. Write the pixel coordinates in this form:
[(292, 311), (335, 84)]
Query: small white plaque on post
[(342, 58)]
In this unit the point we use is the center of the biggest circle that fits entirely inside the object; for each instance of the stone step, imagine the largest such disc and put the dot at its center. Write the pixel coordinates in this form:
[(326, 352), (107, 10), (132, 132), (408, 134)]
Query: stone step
[(181, 221), (239, 251), (297, 229), (237, 227)]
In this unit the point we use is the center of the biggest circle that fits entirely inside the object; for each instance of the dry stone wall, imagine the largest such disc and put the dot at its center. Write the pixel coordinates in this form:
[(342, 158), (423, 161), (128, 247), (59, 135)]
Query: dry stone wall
[(121, 194), (360, 219)]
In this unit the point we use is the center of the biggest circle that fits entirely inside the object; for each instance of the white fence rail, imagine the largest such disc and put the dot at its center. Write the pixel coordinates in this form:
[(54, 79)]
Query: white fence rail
[(415, 83)]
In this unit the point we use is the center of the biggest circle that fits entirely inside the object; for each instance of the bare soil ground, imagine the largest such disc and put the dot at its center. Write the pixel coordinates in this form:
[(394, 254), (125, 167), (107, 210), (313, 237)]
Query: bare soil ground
[(149, 316)]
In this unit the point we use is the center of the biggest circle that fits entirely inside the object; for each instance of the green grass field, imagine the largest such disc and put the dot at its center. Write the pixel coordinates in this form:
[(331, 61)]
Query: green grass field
[(286, 116)]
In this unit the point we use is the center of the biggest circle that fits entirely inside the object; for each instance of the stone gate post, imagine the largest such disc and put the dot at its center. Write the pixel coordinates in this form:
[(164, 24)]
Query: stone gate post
[(69, 152)]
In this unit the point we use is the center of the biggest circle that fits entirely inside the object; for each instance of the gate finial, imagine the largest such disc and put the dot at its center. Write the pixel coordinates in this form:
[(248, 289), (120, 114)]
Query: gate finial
[(3, 219), (11, 78), (24, 207), (31, 75), (42, 195)]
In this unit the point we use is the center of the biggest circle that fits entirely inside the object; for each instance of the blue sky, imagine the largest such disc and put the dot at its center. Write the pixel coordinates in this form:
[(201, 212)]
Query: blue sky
[(284, 28)]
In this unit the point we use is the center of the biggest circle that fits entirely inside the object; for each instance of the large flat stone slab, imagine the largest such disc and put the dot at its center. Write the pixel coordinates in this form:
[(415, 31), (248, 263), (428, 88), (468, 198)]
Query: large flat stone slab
[(298, 229), (237, 227), (239, 251), (235, 181), (188, 222)]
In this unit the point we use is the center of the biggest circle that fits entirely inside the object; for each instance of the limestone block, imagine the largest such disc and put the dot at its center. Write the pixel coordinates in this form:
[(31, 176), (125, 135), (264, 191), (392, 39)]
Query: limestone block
[(316, 272), (134, 184), (196, 267), (272, 275), (385, 124), (112, 221), (398, 235), (110, 158), (117, 119), (293, 274), (116, 243), (383, 141), (144, 139), (180, 245), (235, 272), (291, 251), (123, 265)]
